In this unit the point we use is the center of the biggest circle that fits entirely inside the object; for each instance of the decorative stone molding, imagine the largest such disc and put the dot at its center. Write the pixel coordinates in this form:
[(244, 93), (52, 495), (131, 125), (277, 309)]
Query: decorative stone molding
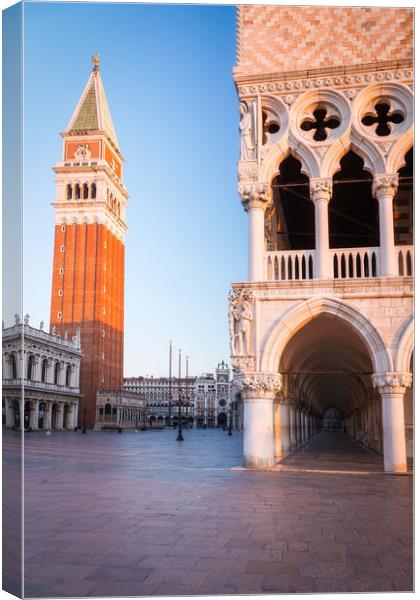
[(385, 185), (247, 171), (392, 383), (243, 364), (301, 81), (255, 386), (320, 189), (255, 195)]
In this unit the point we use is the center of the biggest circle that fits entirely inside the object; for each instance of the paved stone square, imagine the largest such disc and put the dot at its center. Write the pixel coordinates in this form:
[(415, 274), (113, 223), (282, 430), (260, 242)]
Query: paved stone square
[(139, 514)]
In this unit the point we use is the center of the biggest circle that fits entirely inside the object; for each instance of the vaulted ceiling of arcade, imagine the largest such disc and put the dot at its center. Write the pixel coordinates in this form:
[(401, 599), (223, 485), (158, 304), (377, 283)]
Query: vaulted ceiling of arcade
[(329, 364)]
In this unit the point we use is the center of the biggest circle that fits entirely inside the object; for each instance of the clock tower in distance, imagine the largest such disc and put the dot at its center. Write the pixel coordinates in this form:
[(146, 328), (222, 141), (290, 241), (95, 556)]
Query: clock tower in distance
[(88, 267)]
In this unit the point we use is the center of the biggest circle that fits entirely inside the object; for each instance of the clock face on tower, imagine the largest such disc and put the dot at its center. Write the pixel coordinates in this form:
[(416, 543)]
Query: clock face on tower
[(222, 402)]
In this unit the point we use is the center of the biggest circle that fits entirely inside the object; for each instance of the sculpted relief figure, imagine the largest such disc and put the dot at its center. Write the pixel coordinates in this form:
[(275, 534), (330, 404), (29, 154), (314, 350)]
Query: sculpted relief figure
[(246, 131), (240, 322), (82, 152)]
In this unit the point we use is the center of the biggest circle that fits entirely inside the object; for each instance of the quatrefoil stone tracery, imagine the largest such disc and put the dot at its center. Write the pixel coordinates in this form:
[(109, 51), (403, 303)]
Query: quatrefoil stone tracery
[(320, 123), (384, 119)]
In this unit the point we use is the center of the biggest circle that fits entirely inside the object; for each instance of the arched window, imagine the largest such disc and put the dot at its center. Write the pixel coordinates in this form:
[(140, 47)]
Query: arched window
[(30, 367), (93, 191), (44, 370), (403, 204), (290, 225), (13, 366), (68, 376), (77, 191), (353, 211), (85, 191), (56, 372), (69, 191)]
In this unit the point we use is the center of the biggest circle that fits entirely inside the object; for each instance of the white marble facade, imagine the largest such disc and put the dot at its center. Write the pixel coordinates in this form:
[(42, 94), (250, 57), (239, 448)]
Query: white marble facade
[(40, 378), (324, 327)]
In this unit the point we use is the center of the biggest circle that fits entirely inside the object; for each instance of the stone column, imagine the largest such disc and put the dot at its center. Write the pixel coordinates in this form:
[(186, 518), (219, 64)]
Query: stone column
[(36, 375), (256, 197), (298, 428), (285, 426), (62, 373), (72, 376), (33, 418), (76, 376), (59, 417), (21, 364), (6, 366), (10, 413), (47, 415), (306, 420), (258, 392), (76, 414), (293, 436), (384, 189), (49, 375), (302, 426), (321, 191), (391, 387), (277, 428)]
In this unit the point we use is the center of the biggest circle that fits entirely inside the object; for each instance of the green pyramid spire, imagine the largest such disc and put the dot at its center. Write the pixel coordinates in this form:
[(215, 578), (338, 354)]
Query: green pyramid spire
[(92, 112)]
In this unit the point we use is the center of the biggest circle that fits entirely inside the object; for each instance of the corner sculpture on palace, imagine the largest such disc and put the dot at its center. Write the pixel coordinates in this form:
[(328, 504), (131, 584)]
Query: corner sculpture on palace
[(240, 322)]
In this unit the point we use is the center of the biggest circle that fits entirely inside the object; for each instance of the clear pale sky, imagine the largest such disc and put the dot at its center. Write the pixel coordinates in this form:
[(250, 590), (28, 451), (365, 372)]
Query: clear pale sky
[(167, 72)]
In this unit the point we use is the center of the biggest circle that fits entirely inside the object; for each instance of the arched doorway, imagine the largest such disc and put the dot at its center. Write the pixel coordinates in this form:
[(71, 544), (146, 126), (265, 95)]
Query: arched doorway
[(16, 414), (221, 419), (54, 416), (67, 416), (327, 370), (108, 412), (27, 415), (332, 420)]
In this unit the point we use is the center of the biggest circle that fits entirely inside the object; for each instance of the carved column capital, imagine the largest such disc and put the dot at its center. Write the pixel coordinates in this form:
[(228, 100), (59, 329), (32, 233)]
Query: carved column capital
[(255, 195), (320, 189), (255, 386), (392, 383), (243, 364), (385, 185)]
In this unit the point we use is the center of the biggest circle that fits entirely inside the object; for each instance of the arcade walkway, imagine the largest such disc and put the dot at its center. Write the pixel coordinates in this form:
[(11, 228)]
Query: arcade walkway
[(333, 451)]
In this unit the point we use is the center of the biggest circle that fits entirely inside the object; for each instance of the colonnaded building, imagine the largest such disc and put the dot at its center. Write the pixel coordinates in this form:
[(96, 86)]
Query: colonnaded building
[(48, 368), (325, 320)]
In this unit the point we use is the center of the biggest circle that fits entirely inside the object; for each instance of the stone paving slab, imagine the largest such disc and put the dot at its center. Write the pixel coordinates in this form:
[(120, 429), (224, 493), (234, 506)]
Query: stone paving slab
[(139, 514)]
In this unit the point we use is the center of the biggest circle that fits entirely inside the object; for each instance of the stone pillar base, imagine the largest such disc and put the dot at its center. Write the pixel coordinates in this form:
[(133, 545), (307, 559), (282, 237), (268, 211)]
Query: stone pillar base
[(254, 462)]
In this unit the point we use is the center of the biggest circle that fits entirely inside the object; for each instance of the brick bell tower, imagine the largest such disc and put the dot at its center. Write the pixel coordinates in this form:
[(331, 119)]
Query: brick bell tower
[(88, 268)]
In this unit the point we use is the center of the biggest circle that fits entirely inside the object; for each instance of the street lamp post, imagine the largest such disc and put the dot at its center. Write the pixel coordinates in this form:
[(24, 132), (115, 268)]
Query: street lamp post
[(179, 437), (230, 420), (187, 398), (170, 384)]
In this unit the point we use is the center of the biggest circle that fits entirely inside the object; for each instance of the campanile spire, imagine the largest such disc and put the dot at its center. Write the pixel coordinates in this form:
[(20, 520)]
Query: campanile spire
[(88, 268)]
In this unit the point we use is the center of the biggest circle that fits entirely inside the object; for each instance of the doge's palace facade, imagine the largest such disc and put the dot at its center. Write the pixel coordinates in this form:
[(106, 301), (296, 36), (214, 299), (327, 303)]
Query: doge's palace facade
[(325, 320)]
